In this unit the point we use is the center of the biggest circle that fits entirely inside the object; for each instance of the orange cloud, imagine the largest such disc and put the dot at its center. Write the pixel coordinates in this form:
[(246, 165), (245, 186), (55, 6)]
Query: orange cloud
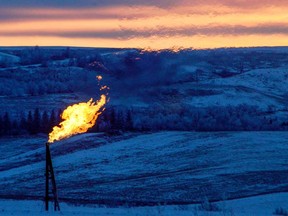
[(200, 25)]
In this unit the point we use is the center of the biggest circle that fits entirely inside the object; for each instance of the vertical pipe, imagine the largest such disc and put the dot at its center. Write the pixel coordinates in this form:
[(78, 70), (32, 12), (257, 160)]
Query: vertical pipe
[(47, 179)]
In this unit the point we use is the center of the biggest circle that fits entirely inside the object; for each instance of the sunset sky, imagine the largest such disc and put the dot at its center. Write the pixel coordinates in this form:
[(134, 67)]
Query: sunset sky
[(141, 24)]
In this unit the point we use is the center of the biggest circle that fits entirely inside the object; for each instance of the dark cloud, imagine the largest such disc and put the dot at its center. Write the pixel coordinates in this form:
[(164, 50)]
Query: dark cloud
[(236, 30), (31, 9), (12, 16), (157, 3), (76, 34), (252, 3), (81, 3)]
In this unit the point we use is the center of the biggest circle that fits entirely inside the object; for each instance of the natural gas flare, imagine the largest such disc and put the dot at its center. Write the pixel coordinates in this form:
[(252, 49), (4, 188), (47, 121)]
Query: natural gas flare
[(78, 118)]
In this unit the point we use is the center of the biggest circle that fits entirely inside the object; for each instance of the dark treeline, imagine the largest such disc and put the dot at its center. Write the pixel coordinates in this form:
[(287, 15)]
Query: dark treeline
[(35, 122), (114, 120), (229, 118), (183, 118)]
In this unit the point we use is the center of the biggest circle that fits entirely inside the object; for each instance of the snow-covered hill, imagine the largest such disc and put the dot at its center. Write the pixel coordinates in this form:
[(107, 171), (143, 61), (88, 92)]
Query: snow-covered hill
[(201, 78), (9, 59), (264, 205), (262, 87), (229, 89), (166, 167)]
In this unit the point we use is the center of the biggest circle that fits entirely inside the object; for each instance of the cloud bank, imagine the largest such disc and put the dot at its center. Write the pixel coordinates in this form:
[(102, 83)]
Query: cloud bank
[(120, 21)]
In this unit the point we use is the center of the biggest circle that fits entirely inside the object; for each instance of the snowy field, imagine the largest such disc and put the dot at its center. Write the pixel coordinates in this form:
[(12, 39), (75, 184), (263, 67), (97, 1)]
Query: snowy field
[(170, 168), (258, 205), (160, 173), (261, 83)]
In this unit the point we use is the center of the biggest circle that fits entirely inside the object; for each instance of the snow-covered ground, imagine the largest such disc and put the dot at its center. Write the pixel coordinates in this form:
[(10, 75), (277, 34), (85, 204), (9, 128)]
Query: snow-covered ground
[(263, 85), (258, 205), (9, 58), (166, 167), (171, 168), (259, 87)]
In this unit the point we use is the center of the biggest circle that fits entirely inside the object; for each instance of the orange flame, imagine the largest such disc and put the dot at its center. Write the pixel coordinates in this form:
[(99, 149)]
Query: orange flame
[(77, 119)]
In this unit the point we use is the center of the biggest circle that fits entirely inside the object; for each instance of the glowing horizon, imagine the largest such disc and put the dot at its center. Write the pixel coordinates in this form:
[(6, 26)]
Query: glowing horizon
[(187, 24)]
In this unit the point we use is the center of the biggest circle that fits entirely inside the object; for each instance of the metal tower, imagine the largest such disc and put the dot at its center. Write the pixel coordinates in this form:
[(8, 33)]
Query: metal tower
[(50, 179)]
